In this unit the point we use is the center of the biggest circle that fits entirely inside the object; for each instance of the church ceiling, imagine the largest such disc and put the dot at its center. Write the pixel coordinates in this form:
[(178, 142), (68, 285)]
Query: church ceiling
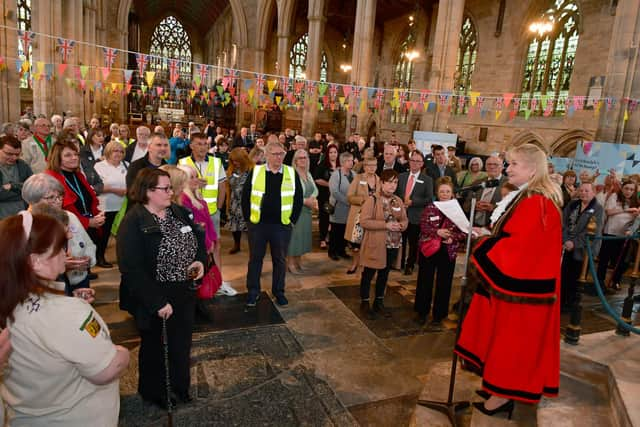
[(199, 14)]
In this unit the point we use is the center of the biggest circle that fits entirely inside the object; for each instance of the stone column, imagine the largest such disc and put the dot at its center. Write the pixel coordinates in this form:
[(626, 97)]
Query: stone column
[(9, 80), (72, 28), (285, 11), (445, 53), (283, 54), (44, 50), (316, 35), (362, 54), (90, 56), (622, 66)]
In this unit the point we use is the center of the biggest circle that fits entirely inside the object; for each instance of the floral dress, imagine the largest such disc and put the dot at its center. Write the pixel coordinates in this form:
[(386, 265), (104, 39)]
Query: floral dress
[(236, 219)]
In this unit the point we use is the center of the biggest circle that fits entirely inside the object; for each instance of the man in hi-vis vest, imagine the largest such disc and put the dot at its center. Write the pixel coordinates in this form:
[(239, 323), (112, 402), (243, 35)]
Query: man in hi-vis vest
[(271, 205), (212, 185)]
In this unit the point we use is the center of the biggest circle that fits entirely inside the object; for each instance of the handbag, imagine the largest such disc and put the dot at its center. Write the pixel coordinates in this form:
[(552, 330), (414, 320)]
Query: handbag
[(211, 281), (358, 233), (328, 208), (430, 247)]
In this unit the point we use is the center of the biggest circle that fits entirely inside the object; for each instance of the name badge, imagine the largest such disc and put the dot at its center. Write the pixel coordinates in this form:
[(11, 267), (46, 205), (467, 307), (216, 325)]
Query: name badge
[(185, 229), (363, 182), (396, 209), (419, 181), (434, 218)]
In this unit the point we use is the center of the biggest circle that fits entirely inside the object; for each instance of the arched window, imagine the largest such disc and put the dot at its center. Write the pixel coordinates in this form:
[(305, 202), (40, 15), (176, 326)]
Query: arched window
[(403, 75), (551, 56), (298, 60), (24, 24), (467, 51), (170, 40)]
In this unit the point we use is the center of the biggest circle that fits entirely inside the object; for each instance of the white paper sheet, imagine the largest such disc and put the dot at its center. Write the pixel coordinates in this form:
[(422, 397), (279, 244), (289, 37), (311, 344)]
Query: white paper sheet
[(452, 210)]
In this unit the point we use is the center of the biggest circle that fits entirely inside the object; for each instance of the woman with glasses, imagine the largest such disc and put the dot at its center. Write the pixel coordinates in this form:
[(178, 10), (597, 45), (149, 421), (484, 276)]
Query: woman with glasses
[(113, 171), (300, 242), (161, 252), (364, 185), (44, 189)]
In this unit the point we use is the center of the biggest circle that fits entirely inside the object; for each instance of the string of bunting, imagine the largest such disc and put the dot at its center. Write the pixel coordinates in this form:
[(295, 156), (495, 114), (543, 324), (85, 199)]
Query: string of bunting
[(294, 93)]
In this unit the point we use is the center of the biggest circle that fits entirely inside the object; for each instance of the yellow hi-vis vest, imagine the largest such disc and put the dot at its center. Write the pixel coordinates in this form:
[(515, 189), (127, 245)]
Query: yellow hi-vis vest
[(210, 190), (287, 190), (125, 143)]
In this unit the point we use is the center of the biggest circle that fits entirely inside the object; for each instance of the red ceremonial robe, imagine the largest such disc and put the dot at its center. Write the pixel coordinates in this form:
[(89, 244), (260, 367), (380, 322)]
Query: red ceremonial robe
[(512, 329)]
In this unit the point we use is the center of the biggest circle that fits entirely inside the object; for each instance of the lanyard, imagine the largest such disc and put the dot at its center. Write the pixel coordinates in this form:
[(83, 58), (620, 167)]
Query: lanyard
[(76, 189), (42, 145)]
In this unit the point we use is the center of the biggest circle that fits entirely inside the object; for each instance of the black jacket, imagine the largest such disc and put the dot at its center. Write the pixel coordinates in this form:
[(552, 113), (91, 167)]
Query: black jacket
[(432, 170), (88, 161), (137, 247), (136, 167), (270, 211)]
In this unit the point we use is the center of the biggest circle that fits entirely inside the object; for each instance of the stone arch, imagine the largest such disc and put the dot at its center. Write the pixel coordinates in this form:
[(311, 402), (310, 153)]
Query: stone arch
[(237, 11), (266, 9), (565, 144), (527, 137)]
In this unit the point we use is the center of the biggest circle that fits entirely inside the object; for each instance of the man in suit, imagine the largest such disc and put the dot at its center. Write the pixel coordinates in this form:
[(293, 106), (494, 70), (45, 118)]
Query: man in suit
[(440, 166), (389, 161), (253, 135), (486, 198), (242, 140), (416, 190)]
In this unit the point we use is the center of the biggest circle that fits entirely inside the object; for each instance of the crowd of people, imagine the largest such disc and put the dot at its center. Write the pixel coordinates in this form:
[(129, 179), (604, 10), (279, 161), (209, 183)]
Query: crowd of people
[(379, 205)]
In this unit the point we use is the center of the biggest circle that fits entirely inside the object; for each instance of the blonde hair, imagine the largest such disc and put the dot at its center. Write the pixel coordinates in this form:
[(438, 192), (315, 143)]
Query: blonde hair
[(196, 197), (178, 180), (541, 182)]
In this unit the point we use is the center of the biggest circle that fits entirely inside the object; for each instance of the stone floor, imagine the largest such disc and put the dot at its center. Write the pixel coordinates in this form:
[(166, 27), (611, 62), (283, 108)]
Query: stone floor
[(320, 362)]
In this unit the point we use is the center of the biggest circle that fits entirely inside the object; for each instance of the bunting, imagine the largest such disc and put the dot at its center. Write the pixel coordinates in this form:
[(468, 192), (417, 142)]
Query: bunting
[(26, 37), (142, 60), (65, 47), (109, 56)]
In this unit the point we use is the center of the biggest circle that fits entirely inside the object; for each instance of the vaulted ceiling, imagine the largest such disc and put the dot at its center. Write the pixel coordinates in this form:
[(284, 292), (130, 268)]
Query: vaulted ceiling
[(196, 14)]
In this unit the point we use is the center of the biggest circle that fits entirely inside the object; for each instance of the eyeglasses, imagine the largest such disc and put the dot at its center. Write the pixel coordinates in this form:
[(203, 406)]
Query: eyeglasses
[(415, 161), (278, 154), (167, 189), (54, 198)]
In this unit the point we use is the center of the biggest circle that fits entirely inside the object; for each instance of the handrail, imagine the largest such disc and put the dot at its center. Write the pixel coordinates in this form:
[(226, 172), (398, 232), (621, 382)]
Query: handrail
[(592, 267)]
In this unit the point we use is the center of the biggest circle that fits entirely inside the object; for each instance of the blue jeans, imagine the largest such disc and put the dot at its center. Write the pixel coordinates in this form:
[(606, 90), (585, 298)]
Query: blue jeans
[(278, 237)]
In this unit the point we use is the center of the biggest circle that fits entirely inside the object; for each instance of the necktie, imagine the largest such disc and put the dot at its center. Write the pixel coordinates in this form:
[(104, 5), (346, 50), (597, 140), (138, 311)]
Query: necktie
[(409, 188)]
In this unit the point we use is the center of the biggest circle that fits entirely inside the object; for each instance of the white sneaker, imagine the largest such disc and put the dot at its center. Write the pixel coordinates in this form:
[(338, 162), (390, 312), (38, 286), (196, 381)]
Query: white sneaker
[(226, 289)]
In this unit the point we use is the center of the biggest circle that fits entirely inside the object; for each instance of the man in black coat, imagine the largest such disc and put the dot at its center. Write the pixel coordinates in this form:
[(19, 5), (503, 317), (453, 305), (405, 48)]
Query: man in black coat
[(416, 190), (156, 153), (389, 160)]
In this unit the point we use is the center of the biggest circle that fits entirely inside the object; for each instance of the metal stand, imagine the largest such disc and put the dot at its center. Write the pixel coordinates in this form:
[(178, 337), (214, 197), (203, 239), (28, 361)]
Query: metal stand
[(450, 408), (165, 344)]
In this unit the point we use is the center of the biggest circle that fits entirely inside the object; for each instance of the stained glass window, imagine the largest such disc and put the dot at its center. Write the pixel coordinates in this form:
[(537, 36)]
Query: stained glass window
[(550, 59), (24, 24), (467, 51), (298, 60), (402, 76), (170, 40)]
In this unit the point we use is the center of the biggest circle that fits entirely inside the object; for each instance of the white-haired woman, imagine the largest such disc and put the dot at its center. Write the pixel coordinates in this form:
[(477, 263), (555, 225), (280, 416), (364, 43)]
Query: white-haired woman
[(473, 173), (301, 238), (113, 171)]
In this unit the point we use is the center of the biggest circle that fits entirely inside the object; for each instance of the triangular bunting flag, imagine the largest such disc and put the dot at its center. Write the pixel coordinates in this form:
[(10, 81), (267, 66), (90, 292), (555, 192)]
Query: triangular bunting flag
[(105, 72), (149, 76), (61, 69)]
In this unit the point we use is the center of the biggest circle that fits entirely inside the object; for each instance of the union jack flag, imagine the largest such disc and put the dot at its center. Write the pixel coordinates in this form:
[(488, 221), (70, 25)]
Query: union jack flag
[(142, 60), (109, 56), (423, 96), (173, 69), (402, 96), (66, 47), (26, 37), (260, 79), (285, 84), (379, 98), (311, 87), (232, 75), (333, 90), (202, 72)]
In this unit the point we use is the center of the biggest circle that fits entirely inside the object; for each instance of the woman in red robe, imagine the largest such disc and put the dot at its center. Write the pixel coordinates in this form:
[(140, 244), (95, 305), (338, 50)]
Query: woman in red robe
[(511, 332)]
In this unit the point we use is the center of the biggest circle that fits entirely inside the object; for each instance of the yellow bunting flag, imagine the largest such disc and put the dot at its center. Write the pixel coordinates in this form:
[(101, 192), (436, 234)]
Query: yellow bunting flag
[(149, 76), (278, 99), (474, 97), (84, 69), (26, 66), (251, 92), (626, 115), (498, 113), (40, 70), (192, 93), (341, 99), (271, 84)]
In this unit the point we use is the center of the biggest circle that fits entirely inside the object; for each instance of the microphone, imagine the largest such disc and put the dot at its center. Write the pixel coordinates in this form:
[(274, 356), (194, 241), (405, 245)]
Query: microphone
[(490, 183)]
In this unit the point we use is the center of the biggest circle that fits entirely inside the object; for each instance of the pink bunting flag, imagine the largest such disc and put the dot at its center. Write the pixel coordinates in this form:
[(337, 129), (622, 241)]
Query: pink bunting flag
[(105, 72), (346, 89), (61, 69), (507, 98)]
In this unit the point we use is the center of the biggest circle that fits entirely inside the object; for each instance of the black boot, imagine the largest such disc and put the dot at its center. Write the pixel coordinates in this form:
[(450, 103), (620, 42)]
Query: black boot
[(102, 263), (378, 307)]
